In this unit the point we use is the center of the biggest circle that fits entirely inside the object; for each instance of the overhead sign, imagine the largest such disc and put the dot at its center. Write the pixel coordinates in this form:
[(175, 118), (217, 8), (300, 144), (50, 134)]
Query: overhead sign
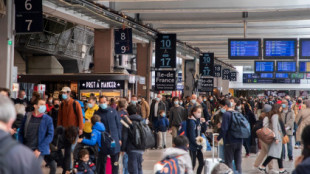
[(123, 41), (103, 84), (226, 73), (233, 76), (218, 71), (206, 64), (41, 87), (28, 16), (206, 85), (165, 80), (165, 51)]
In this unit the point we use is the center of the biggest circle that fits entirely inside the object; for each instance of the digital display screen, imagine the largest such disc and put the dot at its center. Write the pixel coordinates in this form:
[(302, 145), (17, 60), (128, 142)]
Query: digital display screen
[(304, 48), (304, 67), (286, 66), (281, 75), (297, 75), (266, 75), (244, 48), (280, 48), (264, 66)]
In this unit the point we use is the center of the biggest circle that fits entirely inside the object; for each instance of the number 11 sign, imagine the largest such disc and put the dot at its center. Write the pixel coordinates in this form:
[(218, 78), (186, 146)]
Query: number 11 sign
[(165, 51)]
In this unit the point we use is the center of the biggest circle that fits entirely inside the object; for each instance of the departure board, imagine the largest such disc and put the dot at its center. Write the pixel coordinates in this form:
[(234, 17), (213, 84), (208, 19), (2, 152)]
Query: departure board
[(304, 67), (266, 75), (282, 75), (286, 66), (244, 48), (280, 48), (304, 48), (264, 66)]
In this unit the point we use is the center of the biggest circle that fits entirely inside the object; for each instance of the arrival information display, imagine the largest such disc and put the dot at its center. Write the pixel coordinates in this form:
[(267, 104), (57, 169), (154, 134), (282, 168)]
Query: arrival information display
[(304, 67), (244, 48), (165, 80), (264, 66), (266, 75), (255, 78), (206, 64), (205, 85), (282, 75), (123, 41), (165, 51), (286, 66), (218, 71), (280, 48), (304, 48)]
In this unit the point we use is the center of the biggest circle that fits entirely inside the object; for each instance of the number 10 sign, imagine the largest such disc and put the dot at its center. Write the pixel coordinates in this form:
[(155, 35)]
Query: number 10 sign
[(165, 51), (206, 64)]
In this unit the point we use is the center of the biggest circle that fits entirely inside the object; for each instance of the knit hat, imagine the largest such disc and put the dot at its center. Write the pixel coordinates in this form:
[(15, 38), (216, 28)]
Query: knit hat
[(267, 108)]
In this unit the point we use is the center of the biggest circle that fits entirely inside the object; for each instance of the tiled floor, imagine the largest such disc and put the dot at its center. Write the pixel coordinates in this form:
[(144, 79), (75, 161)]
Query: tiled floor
[(152, 156)]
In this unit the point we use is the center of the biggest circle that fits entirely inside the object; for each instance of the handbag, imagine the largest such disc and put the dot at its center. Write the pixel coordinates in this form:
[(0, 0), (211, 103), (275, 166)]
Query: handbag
[(266, 135), (285, 140)]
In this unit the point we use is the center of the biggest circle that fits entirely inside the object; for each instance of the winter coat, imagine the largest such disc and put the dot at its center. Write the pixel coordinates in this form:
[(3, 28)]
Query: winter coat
[(127, 144), (98, 128), (145, 109), (275, 149), (194, 129), (67, 116), (303, 167), (184, 160), (161, 106), (304, 115), (297, 108), (88, 115), (111, 121), (45, 133), (288, 120), (162, 124)]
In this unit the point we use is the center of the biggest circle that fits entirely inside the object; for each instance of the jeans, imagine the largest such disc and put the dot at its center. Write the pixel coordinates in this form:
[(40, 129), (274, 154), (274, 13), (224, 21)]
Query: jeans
[(135, 160), (233, 152), (289, 146), (125, 164), (67, 165), (174, 130), (51, 163), (114, 162), (197, 154), (221, 152), (246, 144)]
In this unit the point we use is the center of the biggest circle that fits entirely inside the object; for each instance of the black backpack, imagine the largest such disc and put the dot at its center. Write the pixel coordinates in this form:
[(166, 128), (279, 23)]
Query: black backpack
[(107, 147), (6, 144), (141, 135)]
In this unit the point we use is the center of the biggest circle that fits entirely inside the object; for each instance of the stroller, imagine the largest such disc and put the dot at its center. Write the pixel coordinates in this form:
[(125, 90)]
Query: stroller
[(93, 152)]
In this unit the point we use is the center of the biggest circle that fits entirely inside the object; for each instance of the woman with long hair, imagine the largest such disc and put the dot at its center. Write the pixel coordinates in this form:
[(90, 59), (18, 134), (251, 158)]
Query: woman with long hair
[(275, 150)]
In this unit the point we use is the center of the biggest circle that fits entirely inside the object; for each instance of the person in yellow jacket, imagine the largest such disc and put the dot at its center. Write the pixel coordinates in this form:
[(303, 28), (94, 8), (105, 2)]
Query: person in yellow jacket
[(92, 107)]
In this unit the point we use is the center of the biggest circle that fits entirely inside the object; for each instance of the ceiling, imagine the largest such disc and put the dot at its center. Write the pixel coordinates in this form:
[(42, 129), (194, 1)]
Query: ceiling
[(208, 24)]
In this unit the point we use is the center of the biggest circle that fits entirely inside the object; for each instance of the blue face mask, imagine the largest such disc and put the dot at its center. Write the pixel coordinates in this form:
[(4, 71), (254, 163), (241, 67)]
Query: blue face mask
[(223, 110), (283, 105), (231, 104), (42, 109), (181, 103), (193, 101), (211, 99), (89, 105), (103, 106), (164, 115), (25, 97), (204, 99), (176, 102), (157, 99), (134, 102), (64, 96)]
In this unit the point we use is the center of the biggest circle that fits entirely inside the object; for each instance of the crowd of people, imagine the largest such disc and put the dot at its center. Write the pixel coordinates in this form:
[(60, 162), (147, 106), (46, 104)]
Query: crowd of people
[(93, 136)]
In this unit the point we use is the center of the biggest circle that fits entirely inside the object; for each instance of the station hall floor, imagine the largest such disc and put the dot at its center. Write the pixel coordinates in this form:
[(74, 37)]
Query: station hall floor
[(152, 156)]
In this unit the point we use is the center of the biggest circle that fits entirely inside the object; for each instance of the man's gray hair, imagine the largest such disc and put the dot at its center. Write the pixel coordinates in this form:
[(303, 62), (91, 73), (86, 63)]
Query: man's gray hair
[(7, 110)]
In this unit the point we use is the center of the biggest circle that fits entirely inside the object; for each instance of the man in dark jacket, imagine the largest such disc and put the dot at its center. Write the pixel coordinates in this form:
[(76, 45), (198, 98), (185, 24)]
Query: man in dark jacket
[(177, 115), (111, 120), (157, 106), (17, 158), (22, 98), (135, 156)]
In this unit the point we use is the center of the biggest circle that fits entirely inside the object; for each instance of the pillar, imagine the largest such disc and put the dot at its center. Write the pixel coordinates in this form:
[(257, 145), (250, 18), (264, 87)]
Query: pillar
[(144, 60), (103, 50), (7, 51)]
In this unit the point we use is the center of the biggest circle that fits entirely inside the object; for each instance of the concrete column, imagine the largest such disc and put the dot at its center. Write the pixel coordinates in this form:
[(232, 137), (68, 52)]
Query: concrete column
[(7, 51), (144, 60), (103, 53)]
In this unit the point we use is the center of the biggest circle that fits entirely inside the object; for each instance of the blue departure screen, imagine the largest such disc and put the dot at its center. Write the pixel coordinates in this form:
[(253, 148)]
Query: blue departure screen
[(304, 67), (264, 66), (286, 66), (305, 48), (281, 75), (280, 48), (244, 48), (266, 75)]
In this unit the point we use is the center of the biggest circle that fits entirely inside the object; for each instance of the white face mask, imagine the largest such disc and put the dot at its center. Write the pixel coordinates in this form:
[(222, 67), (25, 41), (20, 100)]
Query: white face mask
[(197, 115)]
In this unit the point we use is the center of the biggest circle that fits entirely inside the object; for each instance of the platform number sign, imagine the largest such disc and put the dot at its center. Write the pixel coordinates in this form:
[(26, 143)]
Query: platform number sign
[(206, 64), (165, 51), (226, 73), (217, 71), (233, 76), (28, 16), (123, 41)]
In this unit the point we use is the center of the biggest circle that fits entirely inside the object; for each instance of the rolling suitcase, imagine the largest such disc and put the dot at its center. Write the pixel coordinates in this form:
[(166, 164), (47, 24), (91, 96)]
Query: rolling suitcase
[(210, 163)]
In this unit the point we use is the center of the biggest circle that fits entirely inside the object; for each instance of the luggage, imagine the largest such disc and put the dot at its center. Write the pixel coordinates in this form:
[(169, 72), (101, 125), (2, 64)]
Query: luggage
[(108, 167), (210, 163)]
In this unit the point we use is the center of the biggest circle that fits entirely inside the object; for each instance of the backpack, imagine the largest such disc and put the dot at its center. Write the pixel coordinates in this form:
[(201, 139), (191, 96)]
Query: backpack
[(167, 166), (107, 144), (182, 129), (6, 144), (141, 135), (240, 126)]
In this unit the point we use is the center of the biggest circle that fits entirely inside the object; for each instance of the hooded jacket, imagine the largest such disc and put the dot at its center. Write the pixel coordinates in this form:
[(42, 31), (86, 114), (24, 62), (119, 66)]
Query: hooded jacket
[(303, 167), (88, 115), (95, 135), (127, 144), (184, 160)]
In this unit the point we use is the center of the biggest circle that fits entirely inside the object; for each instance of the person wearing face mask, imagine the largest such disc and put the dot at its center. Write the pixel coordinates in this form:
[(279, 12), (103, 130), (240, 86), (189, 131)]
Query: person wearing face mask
[(22, 98), (162, 127), (54, 112), (177, 115), (288, 117), (204, 107), (134, 101), (112, 122), (37, 130), (193, 103), (49, 104), (92, 107), (196, 126), (156, 106), (298, 107)]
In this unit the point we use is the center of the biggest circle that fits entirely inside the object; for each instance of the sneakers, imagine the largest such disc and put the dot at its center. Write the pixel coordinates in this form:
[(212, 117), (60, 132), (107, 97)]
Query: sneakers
[(290, 158), (247, 155), (262, 170), (283, 171)]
